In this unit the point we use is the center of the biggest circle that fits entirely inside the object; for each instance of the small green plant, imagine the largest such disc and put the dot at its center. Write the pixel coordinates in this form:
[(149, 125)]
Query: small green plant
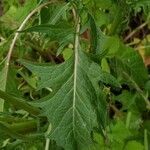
[(71, 76)]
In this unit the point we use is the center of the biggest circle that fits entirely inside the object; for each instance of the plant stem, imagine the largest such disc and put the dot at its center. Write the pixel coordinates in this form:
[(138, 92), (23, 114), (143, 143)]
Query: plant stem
[(47, 139), (18, 130), (11, 119), (117, 112), (24, 127), (145, 140), (128, 119), (21, 27), (21, 104), (135, 31), (139, 90), (7, 63)]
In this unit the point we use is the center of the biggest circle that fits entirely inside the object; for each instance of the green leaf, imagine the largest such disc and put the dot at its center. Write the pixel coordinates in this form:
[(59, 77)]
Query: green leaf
[(103, 4), (59, 11), (99, 143), (50, 29), (108, 45), (54, 13), (14, 16), (119, 132), (118, 135), (8, 84), (14, 131), (19, 103), (127, 99), (141, 5), (94, 36), (131, 145), (69, 107), (102, 76), (2, 87), (62, 32), (128, 63), (67, 53)]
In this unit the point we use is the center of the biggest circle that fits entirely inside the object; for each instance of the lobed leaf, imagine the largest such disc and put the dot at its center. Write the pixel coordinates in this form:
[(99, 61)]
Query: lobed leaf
[(70, 108)]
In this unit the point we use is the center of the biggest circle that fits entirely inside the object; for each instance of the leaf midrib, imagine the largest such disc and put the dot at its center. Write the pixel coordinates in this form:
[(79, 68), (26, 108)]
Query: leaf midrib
[(76, 59)]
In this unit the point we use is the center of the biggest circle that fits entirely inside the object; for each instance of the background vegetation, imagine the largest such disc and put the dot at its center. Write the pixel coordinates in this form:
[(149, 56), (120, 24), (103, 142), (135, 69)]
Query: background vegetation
[(74, 74)]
